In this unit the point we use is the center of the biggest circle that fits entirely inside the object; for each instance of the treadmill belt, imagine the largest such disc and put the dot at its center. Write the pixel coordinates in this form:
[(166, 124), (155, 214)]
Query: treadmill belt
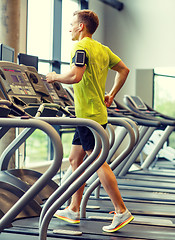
[(13, 236), (146, 176), (146, 183), (144, 208), (93, 229), (144, 195)]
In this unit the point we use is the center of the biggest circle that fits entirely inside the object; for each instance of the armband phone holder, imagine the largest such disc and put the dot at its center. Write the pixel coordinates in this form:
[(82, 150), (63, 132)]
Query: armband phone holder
[(80, 58)]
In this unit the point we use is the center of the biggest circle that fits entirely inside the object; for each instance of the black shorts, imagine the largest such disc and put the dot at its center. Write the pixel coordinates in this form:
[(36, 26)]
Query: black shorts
[(83, 136)]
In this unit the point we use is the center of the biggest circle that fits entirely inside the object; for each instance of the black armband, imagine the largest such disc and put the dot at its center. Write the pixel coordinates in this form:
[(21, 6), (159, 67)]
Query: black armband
[(80, 58)]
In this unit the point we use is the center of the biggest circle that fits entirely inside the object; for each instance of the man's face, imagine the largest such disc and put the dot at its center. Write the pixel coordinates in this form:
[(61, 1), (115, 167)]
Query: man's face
[(74, 29)]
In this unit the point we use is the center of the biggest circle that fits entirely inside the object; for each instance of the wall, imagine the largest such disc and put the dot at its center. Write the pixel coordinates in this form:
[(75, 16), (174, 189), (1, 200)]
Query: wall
[(23, 26), (142, 34)]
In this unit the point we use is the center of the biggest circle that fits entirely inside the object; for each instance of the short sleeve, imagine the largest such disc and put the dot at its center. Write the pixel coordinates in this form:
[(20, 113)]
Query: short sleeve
[(113, 58)]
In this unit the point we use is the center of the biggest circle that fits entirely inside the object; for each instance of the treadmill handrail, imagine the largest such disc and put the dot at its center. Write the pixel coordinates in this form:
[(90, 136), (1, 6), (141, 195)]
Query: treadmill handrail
[(53, 105), (49, 174), (118, 140), (114, 164), (16, 143), (97, 148), (14, 107), (72, 184), (135, 116), (110, 130)]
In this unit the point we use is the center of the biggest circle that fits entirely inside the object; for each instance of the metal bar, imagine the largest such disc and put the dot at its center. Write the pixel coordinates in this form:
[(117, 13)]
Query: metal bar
[(42, 181), (114, 164), (150, 158), (44, 222)]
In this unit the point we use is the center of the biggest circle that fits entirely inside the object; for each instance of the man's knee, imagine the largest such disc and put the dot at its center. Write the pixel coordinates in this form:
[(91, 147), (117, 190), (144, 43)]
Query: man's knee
[(74, 162)]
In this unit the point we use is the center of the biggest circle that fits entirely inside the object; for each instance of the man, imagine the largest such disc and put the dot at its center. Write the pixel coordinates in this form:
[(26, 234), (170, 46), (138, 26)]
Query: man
[(90, 61)]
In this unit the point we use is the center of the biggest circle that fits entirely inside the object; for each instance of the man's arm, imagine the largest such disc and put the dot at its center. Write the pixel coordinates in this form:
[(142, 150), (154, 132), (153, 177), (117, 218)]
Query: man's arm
[(73, 76), (121, 76)]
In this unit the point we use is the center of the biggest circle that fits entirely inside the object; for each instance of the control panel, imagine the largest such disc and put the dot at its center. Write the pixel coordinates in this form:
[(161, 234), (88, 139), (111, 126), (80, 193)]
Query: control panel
[(24, 86), (57, 93), (37, 84), (137, 102), (15, 83)]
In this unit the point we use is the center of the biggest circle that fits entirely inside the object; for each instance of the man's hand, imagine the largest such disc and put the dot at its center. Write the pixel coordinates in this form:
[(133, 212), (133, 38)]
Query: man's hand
[(108, 100), (51, 77)]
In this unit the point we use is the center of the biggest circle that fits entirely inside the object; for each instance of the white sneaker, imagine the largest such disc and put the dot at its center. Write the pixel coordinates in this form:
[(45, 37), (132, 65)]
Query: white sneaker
[(68, 215), (119, 221)]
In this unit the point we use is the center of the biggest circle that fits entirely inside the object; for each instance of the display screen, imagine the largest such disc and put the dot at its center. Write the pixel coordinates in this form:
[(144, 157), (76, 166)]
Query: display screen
[(14, 78), (138, 103), (6, 53), (28, 60), (80, 57)]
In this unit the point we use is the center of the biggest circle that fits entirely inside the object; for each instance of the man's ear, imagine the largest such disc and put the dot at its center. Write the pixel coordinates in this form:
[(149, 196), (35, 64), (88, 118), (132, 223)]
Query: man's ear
[(81, 26)]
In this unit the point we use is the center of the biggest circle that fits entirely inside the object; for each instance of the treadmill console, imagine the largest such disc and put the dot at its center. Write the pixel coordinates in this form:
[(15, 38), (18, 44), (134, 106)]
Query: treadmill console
[(37, 83), (14, 82), (26, 88), (57, 92), (22, 84), (51, 90), (137, 102), (61, 92)]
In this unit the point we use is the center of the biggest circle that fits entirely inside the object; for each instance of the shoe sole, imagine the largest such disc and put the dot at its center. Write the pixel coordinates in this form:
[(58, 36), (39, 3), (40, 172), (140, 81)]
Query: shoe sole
[(120, 226), (67, 219)]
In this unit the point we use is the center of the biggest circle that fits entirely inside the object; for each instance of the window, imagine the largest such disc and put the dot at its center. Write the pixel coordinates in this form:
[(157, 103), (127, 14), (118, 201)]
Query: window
[(66, 42), (164, 97), (48, 34), (40, 31), (48, 37)]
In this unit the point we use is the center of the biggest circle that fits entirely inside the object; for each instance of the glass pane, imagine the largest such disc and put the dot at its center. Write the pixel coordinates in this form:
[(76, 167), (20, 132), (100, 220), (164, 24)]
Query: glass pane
[(67, 142), (36, 147), (44, 68), (68, 7), (169, 71), (164, 97), (39, 32), (65, 68)]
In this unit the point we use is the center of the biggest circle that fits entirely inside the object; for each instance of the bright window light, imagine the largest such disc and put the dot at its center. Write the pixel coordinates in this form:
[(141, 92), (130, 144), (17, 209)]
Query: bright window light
[(68, 7), (40, 28)]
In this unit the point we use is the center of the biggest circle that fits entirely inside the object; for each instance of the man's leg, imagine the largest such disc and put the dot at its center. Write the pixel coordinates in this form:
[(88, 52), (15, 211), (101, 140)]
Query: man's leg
[(121, 215), (71, 214), (109, 182), (76, 157)]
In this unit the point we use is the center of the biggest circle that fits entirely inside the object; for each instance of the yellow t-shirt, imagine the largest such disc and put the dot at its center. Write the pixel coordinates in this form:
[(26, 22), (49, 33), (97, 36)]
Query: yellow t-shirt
[(90, 91)]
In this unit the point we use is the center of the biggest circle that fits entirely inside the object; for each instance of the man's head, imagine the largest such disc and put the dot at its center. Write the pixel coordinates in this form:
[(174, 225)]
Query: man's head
[(88, 18), (84, 20)]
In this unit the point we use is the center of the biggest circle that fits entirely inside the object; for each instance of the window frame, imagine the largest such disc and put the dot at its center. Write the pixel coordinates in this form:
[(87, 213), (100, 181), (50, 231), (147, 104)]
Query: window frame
[(57, 23)]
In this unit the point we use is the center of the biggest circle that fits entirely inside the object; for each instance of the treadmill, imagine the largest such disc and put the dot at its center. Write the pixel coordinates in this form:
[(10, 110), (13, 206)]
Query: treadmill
[(101, 235), (25, 93), (18, 226), (134, 103), (87, 227), (91, 229), (163, 222), (13, 211)]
